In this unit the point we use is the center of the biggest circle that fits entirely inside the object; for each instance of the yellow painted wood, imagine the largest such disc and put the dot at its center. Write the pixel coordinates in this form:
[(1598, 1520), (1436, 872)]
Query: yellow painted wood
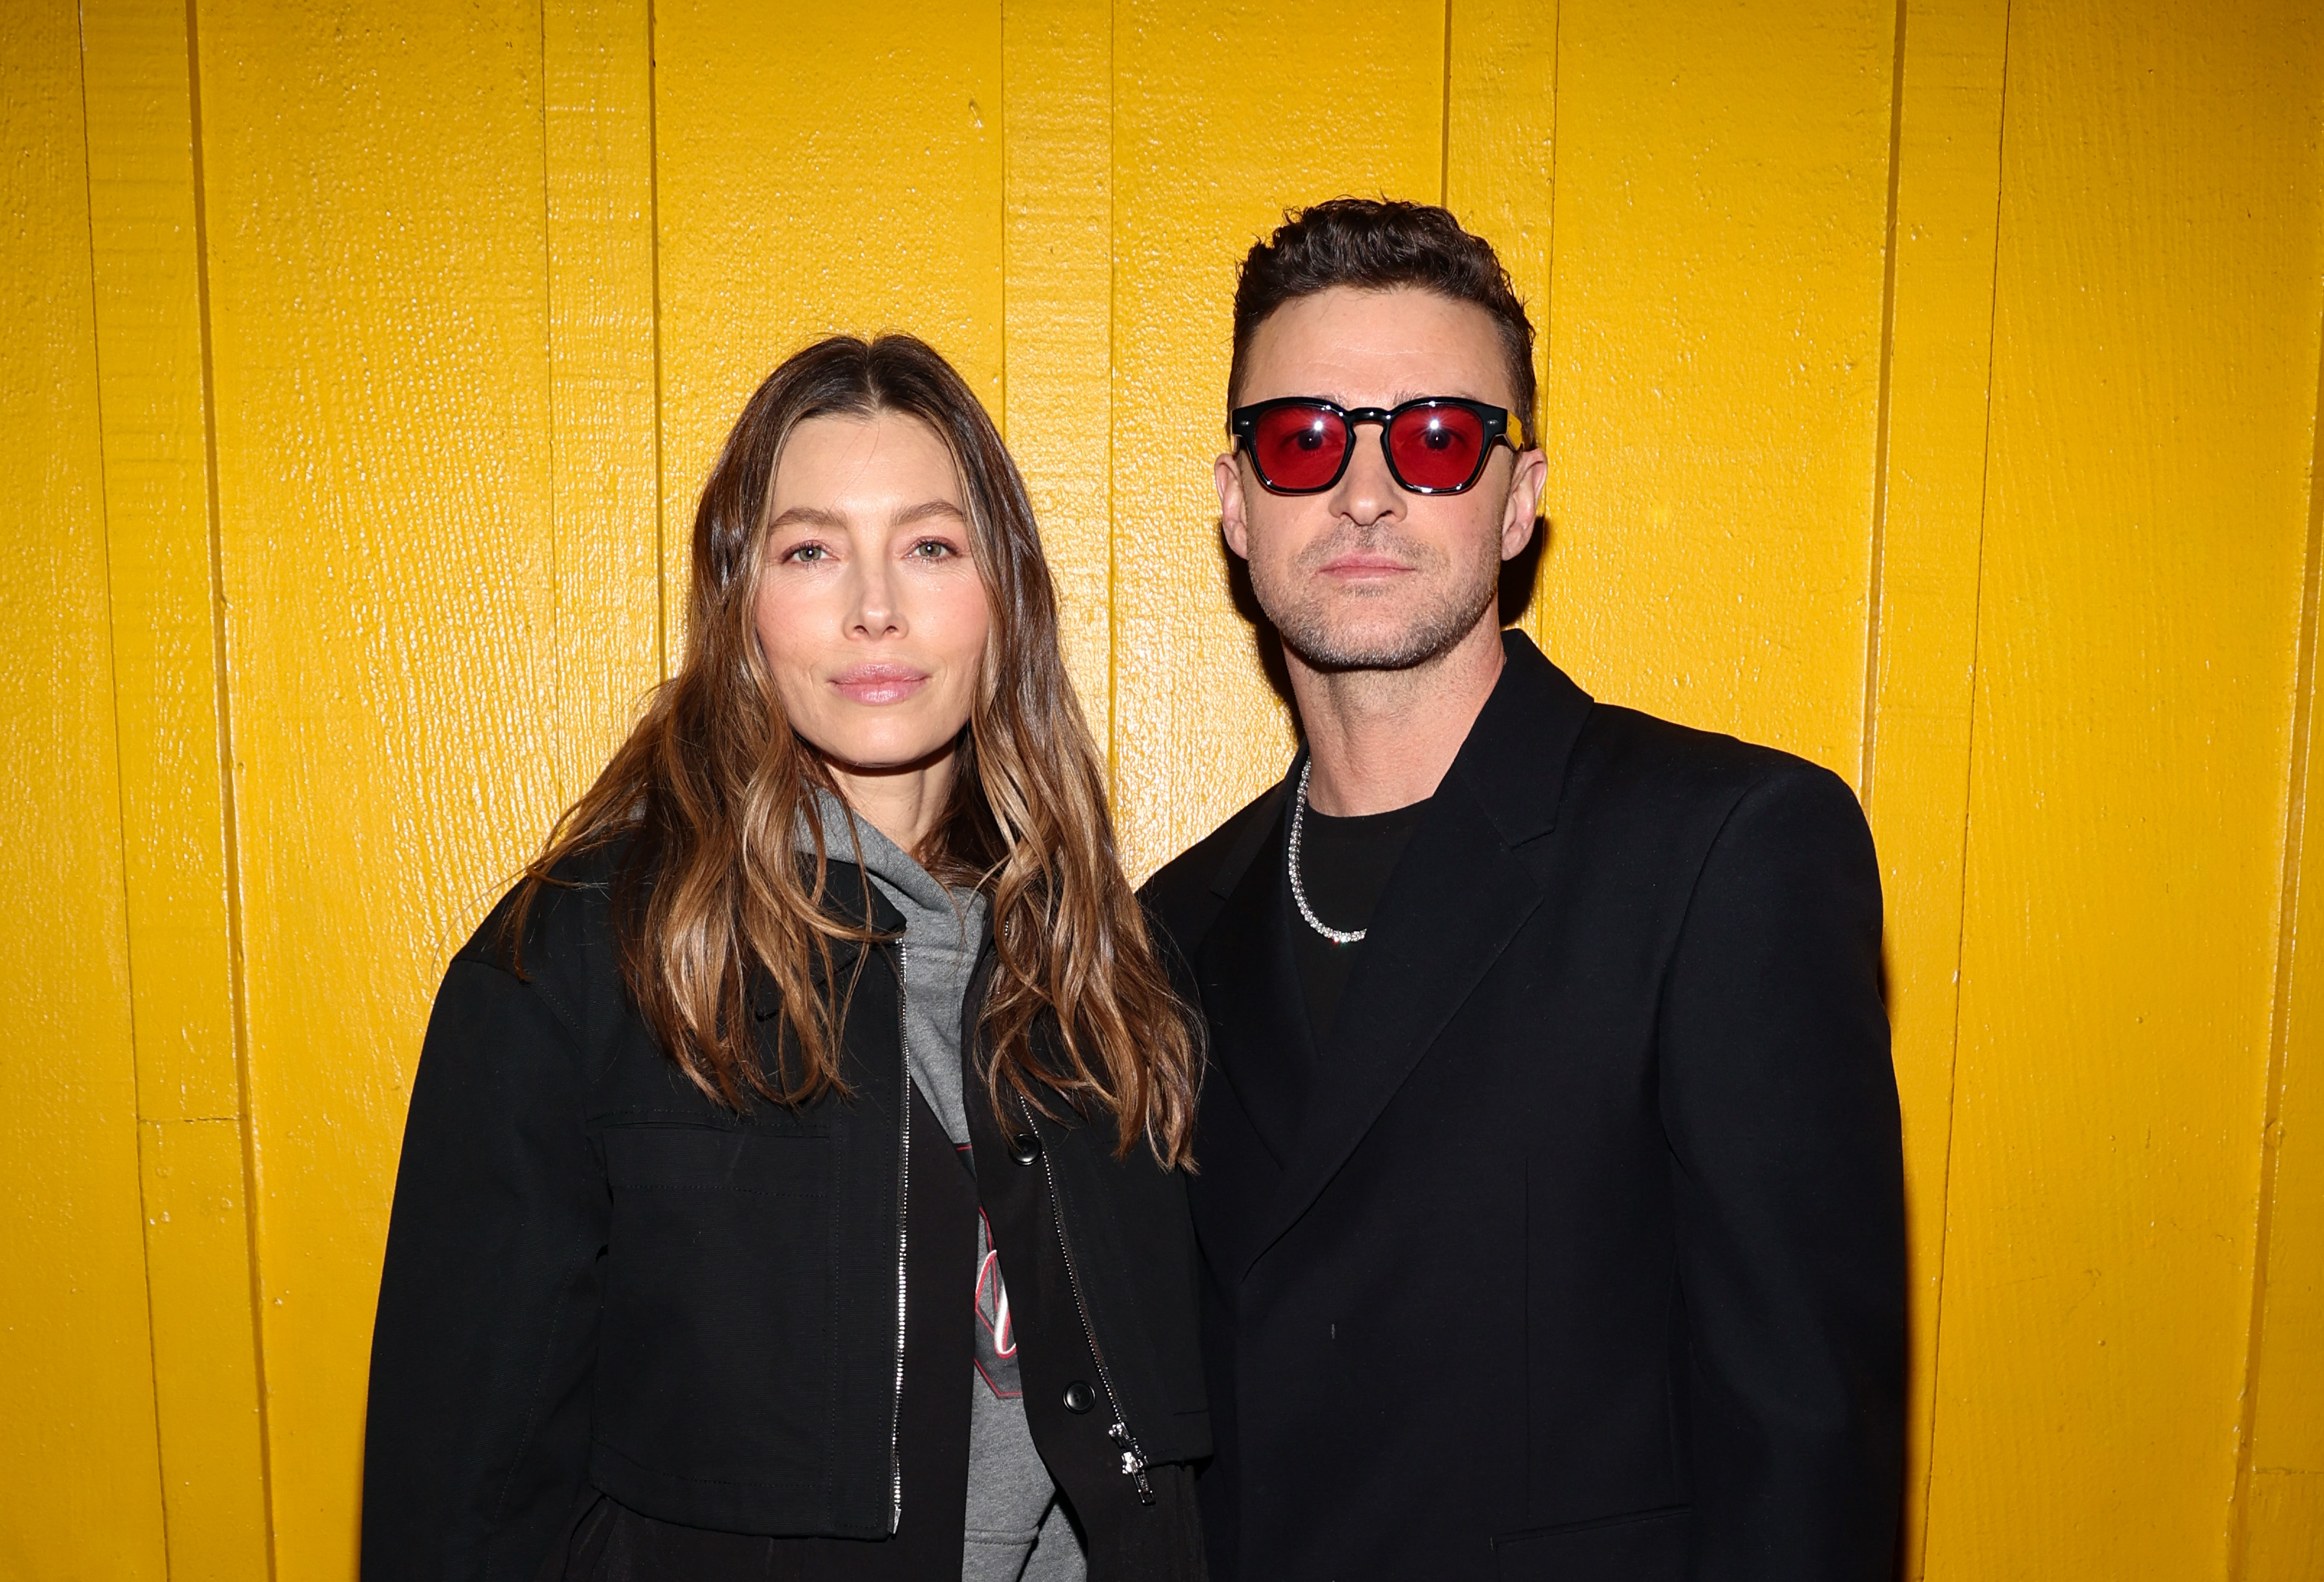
[(604, 450), (206, 1395), (2281, 1523), (1928, 529), (169, 700), (1057, 385), (143, 232), (1501, 177), (2286, 1534), (1714, 354), (2147, 526), (377, 206), (1223, 117), (2279, 1526), (839, 173), (78, 1456), (487, 284)]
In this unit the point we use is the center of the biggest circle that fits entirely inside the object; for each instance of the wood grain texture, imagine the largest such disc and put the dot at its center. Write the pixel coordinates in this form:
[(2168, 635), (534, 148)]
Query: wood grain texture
[(1928, 530), (1984, 474), (2280, 1530), (604, 392), (380, 327), (1714, 353), (215, 1480), (78, 1453), (1218, 129), (784, 220), (169, 700), (1501, 177), (1058, 63), (2145, 532)]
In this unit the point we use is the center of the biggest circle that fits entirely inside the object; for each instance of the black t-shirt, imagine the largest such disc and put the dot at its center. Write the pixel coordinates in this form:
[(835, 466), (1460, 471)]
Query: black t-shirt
[(1344, 864)]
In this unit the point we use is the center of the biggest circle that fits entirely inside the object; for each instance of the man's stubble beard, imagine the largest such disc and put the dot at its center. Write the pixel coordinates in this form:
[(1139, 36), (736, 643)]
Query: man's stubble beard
[(1304, 616)]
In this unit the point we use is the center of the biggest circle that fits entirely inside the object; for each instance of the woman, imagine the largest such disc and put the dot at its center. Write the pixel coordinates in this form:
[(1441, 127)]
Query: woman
[(826, 1004)]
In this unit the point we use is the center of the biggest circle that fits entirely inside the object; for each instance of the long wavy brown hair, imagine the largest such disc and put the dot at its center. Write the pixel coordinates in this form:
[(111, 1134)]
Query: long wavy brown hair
[(704, 799)]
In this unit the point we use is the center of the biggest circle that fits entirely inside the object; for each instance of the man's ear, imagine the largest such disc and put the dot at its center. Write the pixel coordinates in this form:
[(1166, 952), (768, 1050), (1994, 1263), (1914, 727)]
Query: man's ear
[(1522, 508), (1231, 526)]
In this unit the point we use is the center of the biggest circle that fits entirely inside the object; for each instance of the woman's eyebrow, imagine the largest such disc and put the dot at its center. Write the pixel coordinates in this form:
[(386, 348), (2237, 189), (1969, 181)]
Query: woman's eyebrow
[(811, 516), (926, 510)]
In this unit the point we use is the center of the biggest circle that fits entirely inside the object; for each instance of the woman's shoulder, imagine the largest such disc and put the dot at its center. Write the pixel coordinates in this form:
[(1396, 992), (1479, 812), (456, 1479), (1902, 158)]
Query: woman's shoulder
[(553, 929)]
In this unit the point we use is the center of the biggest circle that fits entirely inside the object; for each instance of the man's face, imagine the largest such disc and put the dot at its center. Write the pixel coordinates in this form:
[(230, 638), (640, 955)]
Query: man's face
[(1367, 575)]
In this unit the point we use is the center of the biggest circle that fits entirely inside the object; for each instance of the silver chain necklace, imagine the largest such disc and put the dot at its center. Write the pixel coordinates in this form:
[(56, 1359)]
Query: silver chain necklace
[(1338, 937)]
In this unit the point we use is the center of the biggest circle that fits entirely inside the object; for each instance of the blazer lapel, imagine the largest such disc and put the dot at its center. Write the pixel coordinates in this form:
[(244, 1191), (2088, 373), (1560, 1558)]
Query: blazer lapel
[(1458, 897), (1260, 1044), (1455, 901)]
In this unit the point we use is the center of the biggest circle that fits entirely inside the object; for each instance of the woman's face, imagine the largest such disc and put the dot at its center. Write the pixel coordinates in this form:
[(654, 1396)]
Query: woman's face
[(870, 610)]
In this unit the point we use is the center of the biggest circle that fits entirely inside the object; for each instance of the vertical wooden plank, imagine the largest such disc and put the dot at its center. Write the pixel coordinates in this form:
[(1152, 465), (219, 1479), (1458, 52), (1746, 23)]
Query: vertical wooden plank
[(1501, 170), (169, 699), (1917, 729), (604, 477), (80, 1457), (838, 173), (374, 189), (207, 1403), (1714, 361), (1057, 66), (1219, 127), (2147, 521), (2281, 1522)]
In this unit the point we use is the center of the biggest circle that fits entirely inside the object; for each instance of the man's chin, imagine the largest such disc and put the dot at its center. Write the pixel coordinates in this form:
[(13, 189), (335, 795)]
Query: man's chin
[(1338, 652), (1336, 641)]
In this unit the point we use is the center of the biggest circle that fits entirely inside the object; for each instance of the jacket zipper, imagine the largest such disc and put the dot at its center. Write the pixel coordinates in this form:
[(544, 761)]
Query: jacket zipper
[(903, 1233), (1133, 1456)]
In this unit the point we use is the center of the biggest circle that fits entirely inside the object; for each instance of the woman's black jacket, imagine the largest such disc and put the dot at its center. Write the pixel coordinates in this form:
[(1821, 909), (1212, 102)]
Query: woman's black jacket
[(602, 1286)]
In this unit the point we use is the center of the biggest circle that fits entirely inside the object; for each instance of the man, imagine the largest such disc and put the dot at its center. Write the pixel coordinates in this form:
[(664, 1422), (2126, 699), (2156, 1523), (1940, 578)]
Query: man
[(1550, 1208)]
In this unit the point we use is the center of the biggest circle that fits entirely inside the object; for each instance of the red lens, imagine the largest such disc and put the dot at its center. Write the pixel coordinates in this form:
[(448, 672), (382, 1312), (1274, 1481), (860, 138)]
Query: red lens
[(1299, 447), (1436, 447)]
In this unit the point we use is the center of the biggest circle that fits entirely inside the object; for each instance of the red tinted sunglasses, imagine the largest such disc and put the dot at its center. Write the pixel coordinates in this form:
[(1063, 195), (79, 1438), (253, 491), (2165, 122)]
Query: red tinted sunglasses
[(1438, 445)]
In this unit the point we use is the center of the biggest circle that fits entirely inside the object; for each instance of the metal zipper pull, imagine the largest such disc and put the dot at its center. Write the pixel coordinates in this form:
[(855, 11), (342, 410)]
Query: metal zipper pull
[(1133, 1461)]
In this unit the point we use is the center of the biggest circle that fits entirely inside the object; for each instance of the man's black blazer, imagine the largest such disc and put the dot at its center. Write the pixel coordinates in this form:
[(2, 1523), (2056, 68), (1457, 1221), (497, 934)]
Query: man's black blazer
[(1585, 1257)]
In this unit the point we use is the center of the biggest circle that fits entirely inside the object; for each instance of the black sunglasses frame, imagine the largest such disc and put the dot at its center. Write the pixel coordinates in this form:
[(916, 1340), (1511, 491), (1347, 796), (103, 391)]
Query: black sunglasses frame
[(1244, 422)]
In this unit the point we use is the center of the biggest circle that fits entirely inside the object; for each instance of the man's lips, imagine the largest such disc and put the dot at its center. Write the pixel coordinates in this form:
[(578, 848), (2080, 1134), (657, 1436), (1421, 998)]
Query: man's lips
[(1358, 566), (879, 683)]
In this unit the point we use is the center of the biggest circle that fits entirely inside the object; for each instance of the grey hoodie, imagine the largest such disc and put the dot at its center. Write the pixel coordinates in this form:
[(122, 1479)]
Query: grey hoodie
[(1016, 1527)]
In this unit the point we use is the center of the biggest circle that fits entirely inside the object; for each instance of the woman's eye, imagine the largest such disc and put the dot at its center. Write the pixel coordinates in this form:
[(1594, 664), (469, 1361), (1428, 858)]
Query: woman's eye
[(933, 549), (806, 554)]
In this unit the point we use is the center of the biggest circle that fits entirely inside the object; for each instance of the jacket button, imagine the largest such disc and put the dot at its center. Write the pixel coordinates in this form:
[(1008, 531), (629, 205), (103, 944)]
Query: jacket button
[(1079, 1397), (1024, 1148)]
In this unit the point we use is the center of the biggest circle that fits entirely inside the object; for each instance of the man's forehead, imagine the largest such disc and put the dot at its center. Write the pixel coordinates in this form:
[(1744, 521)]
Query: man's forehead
[(1357, 347)]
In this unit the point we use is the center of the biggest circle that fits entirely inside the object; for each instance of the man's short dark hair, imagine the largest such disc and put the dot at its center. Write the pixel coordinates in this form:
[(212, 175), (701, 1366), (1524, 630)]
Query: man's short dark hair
[(1373, 244)]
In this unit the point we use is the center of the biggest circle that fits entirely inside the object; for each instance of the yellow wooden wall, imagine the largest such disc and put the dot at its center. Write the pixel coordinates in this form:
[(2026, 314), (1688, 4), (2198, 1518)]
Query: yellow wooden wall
[(1931, 388)]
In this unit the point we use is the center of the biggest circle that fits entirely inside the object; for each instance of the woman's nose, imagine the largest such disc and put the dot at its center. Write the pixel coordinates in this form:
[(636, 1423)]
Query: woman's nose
[(876, 612)]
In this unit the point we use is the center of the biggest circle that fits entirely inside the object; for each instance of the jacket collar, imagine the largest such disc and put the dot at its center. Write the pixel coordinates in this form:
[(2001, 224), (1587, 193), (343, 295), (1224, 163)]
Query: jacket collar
[(1520, 743)]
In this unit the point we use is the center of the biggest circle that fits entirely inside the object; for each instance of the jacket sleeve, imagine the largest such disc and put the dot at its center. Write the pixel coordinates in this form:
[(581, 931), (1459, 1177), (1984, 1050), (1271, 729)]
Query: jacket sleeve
[(1780, 1106), (478, 1435)]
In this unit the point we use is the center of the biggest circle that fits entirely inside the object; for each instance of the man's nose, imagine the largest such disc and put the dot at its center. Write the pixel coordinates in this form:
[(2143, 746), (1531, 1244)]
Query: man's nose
[(1367, 491)]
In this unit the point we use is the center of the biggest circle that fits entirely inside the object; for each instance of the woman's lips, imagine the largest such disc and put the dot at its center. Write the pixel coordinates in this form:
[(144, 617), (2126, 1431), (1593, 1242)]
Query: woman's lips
[(879, 683)]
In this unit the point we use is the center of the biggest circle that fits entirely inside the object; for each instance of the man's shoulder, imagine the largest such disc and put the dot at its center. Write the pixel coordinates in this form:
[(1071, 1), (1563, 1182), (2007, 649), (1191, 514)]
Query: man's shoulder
[(1627, 758), (1184, 894)]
